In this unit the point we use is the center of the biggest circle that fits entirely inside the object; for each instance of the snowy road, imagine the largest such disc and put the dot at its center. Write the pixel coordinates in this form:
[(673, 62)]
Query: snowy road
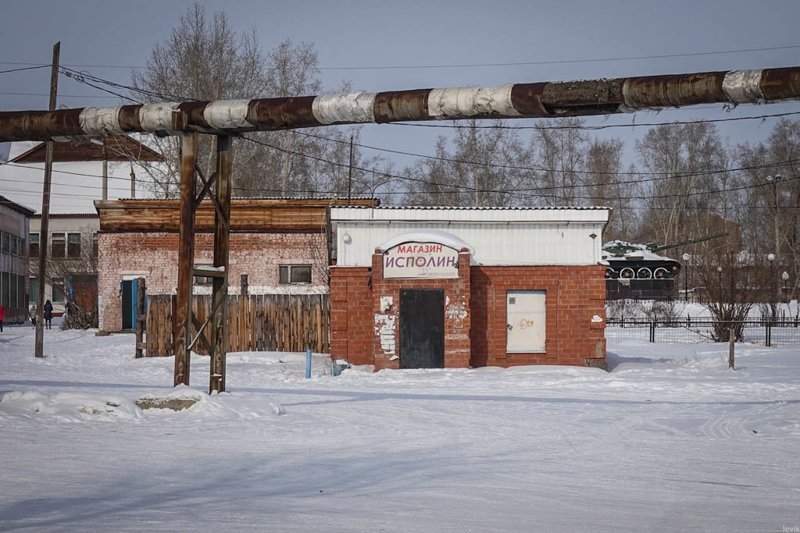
[(670, 440)]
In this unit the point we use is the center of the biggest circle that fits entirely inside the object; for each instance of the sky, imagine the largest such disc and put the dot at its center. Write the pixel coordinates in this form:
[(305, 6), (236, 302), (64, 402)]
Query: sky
[(379, 46)]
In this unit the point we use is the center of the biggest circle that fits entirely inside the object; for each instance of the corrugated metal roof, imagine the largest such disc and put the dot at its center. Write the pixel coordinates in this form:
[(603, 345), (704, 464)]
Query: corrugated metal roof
[(468, 208), (67, 215), (496, 215), (27, 211)]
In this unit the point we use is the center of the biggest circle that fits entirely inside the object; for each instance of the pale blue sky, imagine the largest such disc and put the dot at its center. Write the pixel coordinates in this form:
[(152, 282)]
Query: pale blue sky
[(412, 33)]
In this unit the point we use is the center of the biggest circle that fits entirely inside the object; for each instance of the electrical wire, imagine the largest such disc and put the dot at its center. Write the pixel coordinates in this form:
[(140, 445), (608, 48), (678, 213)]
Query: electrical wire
[(23, 68), (600, 126), (485, 65), (563, 61)]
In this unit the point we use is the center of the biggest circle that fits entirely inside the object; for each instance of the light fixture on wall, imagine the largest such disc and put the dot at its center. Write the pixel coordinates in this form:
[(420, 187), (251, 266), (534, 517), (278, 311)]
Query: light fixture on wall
[(346, 238)]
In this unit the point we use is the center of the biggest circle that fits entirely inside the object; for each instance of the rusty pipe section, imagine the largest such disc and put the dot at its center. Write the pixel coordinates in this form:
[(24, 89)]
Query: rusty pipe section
[(547, 99)]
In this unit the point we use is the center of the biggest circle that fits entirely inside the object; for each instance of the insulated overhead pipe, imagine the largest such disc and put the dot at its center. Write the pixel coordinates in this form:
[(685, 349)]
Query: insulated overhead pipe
[(521, 100)]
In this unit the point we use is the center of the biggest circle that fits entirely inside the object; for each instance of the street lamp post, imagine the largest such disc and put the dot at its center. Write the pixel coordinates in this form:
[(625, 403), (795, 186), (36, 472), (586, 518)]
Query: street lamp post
[(772, 289), (785, 278), (686, 257), (774, 181)]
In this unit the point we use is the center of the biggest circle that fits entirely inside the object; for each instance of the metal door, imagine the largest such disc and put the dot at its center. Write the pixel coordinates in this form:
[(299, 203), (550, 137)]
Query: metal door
[(422, 328), (525, 321)]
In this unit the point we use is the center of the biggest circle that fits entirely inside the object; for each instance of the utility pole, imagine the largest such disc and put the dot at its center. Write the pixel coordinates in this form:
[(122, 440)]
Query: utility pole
[(44, 228), (105, 171), (350, 171), (133, 182)]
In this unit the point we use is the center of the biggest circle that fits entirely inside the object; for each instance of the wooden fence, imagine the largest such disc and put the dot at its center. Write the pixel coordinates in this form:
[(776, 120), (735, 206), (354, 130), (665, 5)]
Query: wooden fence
[(257, 322)]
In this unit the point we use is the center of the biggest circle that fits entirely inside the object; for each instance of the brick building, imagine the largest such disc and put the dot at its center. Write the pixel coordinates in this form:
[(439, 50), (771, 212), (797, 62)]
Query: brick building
[(457, 287), (14, 223), (280, 243)]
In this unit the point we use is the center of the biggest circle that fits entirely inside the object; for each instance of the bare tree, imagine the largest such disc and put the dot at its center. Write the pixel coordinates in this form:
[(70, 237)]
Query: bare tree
[(205, 59), (732, 281), (606, 186), (682, 156), (559, 153), (482, 169), (770, 205)]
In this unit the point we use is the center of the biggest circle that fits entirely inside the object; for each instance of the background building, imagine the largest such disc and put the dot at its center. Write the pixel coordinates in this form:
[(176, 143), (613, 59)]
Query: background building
[(280, 243), (14, 223), (71, 261)]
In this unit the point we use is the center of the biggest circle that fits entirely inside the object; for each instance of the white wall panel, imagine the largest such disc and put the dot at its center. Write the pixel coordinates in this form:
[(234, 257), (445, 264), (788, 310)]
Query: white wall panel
[(506, 242)]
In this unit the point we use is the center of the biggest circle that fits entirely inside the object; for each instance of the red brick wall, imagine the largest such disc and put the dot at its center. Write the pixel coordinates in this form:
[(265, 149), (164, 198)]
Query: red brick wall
[(456, 314), (351, 315), (155, 256), (365, 333), (573, 296)]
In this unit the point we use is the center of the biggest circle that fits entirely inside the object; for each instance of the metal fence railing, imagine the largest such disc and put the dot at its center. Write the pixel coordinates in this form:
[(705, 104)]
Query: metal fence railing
[(691, 331)]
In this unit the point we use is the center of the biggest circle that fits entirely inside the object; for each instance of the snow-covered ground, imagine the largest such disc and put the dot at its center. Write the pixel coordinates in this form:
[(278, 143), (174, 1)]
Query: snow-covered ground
[(668, 440)]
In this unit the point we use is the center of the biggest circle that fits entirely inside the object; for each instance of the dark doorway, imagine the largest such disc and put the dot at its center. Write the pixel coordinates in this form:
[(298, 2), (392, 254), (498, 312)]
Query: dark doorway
[(128, 290), (422, 328)]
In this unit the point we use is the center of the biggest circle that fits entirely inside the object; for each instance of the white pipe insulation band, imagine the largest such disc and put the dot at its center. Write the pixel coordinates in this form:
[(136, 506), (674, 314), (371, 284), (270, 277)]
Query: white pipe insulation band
[(353, 107), (157, 117), (743, 86), (225, 114), (471, 101), (99, 121)]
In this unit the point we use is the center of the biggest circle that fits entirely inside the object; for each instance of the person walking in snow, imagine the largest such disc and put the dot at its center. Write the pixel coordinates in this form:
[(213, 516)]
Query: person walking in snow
[(2, 315), (48, 314)]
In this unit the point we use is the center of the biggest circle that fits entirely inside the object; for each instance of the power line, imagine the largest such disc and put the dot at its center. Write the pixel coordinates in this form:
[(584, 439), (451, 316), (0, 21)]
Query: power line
[(60, 95), (598, 127), (497, 191), (334, 192), (82, 77), (665, 175), (482, 65), (563, 61), (23, 68)]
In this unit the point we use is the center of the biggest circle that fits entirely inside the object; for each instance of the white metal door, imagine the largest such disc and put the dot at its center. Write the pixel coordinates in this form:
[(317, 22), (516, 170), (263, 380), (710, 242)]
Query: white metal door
[(525, 321)]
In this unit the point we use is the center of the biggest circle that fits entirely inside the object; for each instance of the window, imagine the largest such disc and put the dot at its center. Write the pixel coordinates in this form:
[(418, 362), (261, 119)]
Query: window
[(21, 292), (59, 294), (34, 290), (58, 246), (6, 243), (33, 244), (12, 291), (5, 281), (74, 245), (294, 274)]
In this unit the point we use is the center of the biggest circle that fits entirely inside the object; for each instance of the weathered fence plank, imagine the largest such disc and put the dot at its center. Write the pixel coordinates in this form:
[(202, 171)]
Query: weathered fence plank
[(255, 322)]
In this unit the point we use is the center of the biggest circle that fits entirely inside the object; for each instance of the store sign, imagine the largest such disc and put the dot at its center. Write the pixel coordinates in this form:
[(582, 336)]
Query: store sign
[(420, 260)]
